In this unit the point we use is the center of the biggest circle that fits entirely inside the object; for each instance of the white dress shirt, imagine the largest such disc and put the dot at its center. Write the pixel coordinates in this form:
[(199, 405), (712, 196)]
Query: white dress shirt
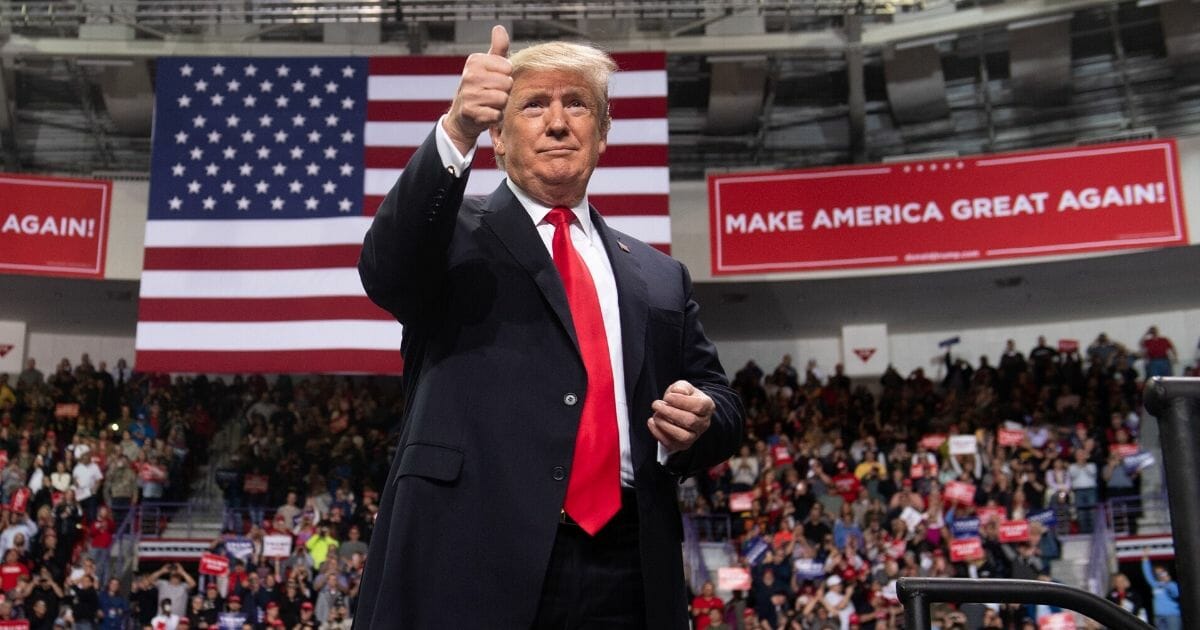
[(590, 247)]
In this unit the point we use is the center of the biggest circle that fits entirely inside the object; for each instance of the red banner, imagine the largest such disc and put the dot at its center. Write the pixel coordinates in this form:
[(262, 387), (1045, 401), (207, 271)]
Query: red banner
[(1125, 450), (741, 501), (1010, 437), (14, 624), (1014, 531), (954, 210), (959, 492), (733, 579), (213, 564), (53, 226), (66, 410), (991, 513), (964, 549), (1068, 345)]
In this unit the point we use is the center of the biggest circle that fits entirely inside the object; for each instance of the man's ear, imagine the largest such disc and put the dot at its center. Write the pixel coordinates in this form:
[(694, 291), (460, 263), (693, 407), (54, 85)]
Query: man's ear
[(497, 143)]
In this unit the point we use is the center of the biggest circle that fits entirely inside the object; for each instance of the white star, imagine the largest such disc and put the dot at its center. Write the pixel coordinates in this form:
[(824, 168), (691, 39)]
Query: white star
[(281, 101), (347, 169), (175, 203), (227, 187), (347, 103), (314, 71), (310, 203), (347, 72), (247, 136), (181, 138), (312, 168), (263, 153), (298, 120), (197, 153), (297, 153), (218, 70), (261, 187), (314, 136), (297, 86), (199, 121), (331, 120), (344, 205), (249, 100), (314, 101), (217, 100), (185, 71), (277, 204), (232, 120), (245, 169), (331, 88), (281, 136), (177, 170), (214, 136), (211, 169), (209, 202), (243, 203), (282, 71), (329, 187), (330, 153), (229, 153), (265, 120), (295, 186), (347, 136), (266, 86), (233, 85), (250, 70), (193, 187), (201, 85), (279, 169), (185, 101)]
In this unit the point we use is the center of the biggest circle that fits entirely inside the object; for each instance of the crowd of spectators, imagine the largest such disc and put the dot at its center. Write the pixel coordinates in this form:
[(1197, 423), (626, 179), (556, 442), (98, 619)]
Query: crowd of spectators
[(841, 489)]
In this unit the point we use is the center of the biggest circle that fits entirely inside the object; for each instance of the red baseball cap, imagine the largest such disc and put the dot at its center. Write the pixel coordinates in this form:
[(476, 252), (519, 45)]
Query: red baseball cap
[(235, 598), (306, 606)]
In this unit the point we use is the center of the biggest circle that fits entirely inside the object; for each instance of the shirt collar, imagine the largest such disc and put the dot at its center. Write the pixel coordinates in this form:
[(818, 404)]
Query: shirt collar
[(537, 211)]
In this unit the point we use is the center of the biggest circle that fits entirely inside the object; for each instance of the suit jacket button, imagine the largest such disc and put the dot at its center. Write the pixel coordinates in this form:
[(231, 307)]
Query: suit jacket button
[(560, 473), (570, 399)]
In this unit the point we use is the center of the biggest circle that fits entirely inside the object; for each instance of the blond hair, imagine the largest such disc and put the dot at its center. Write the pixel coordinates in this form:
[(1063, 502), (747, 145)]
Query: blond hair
[(590, 63)]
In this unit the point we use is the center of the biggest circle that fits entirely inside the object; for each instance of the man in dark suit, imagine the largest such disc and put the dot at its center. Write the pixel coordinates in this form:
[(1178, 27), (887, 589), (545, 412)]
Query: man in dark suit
[(559, 382)]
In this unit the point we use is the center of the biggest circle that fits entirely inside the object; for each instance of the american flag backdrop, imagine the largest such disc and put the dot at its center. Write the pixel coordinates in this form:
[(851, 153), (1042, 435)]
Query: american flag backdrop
[(265, 175)]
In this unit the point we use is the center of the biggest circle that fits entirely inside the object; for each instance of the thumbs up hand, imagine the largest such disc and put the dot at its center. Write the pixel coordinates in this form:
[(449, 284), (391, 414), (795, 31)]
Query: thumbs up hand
[(482, 93)]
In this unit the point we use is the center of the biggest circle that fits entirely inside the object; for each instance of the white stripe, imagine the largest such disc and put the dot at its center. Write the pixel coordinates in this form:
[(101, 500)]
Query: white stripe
[(338, 281), (614, 180), (303, 335), (649, 229), (441, 87), (257, 232), (411, 134)]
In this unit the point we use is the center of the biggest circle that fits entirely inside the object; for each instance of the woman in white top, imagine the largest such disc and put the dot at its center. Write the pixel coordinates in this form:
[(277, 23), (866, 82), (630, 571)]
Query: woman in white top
[(60, 478)]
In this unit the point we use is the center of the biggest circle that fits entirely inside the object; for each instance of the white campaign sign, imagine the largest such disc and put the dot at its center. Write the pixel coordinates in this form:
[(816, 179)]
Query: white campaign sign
[(277, 546), (12, 349), (962, 444), (865, 349)]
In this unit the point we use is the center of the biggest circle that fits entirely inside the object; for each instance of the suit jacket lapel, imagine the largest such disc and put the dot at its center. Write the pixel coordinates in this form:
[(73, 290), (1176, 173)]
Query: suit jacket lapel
[(510, 223), (633, 304)]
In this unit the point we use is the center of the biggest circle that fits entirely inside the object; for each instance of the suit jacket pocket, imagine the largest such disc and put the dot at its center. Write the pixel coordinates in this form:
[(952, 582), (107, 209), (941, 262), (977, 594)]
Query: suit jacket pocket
[(435, 462)]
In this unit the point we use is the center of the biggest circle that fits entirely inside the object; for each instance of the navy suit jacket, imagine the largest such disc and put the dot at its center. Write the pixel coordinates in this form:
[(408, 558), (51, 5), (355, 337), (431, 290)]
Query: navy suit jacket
[(492, 368)]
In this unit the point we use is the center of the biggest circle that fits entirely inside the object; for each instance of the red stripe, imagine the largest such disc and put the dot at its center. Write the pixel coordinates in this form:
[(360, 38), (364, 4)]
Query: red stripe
[(454, 65), (641, 61), (259, 309), (271, 362), (485, 157), (631, 205), (662, 247), (251, 258), (429, 111), (371, 204), (416, 65)]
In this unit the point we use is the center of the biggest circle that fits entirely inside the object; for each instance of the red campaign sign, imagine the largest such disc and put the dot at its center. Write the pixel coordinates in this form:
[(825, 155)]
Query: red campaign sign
[(1125, 450), (1014, 531), (991, 513), (1057, 621), (733, 579), (955, 210), (959, 492), (14, 624), (782, 455), (66, 410), (20, 500), (213, 564), (934, 441), (741, 501), (53, 226), (1068, 345), (965, 549), (1010, 437)]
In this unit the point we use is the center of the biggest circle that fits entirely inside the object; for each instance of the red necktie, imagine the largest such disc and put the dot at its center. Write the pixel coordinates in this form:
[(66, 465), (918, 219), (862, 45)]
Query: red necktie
[(594, 489)]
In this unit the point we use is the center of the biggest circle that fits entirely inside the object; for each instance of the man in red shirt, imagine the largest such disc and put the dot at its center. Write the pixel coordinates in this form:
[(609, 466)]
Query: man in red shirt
[(11, 571), (704, 602), (845, 483), (1159, 353)]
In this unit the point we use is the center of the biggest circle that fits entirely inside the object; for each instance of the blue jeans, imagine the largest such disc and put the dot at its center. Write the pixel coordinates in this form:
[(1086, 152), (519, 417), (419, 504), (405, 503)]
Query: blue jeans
[(1158, 367), (1085, 507), (1168, 623)]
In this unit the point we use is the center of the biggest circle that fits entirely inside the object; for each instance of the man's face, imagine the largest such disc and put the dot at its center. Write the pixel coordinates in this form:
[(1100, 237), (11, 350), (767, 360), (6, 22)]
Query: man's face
[(551, 135)]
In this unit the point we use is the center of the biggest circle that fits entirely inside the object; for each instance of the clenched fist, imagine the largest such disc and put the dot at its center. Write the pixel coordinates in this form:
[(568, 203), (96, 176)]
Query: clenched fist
[(482, 93)]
